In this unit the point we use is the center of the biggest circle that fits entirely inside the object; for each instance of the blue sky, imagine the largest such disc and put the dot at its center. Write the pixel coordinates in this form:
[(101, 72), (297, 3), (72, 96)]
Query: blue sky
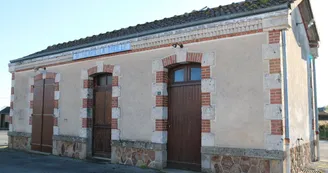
[(30, 26)]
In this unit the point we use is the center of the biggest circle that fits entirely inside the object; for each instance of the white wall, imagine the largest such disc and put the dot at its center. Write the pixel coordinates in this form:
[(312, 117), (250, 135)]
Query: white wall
[(239, 98), (298, 84)]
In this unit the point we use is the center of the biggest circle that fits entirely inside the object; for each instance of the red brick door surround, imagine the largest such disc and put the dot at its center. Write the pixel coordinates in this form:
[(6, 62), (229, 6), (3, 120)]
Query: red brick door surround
[(56, 110), (160, 109), (86, 110)]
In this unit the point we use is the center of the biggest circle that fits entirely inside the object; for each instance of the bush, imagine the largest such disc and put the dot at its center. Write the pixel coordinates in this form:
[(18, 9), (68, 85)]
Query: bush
[(323, 132)]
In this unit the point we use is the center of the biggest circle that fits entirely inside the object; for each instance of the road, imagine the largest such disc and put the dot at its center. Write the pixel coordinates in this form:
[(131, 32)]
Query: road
[(3, 137), (324, 151), (17, 161)]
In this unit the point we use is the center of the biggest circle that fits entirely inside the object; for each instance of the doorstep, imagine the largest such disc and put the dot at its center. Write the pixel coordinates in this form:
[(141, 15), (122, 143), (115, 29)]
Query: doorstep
[(38, 152), (101, 160)]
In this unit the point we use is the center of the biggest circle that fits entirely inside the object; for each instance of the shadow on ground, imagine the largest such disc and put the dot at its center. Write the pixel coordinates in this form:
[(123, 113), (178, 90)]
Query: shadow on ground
[(17, 161)]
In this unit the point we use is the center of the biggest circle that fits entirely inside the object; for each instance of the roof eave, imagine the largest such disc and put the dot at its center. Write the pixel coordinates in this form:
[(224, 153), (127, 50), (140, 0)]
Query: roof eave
[(201, 22), (314, 38)]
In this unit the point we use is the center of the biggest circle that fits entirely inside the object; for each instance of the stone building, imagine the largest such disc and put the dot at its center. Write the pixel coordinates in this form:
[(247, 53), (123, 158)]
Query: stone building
[(227, 89)]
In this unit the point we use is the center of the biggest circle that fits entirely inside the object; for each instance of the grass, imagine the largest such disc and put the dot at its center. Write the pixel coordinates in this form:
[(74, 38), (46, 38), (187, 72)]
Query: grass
[(144, 167)]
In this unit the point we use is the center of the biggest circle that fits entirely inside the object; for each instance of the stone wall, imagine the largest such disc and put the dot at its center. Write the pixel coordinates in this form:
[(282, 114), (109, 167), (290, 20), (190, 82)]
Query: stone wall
[(135, 156), (137, 153), (19, 140), (68, 146), (239, 164), (240, 160), (300, 156)]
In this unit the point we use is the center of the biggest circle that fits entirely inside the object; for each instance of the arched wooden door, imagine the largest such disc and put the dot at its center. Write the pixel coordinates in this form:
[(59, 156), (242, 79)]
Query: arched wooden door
[(102, 115), (184, 118)]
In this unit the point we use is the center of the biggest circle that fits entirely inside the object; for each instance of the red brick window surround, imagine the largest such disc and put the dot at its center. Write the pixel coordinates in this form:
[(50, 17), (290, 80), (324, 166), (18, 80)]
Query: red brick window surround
[(169, 60), (206, 72), (194, 57)]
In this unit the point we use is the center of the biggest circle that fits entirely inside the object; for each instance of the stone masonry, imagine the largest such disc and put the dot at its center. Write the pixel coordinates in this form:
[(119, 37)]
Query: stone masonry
[(222, 164), (138, 153), (68, 146), (300, 157), (19, 140)]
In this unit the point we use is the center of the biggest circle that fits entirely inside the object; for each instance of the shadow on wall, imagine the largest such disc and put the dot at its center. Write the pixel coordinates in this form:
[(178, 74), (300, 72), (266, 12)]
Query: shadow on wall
[(304, 28)]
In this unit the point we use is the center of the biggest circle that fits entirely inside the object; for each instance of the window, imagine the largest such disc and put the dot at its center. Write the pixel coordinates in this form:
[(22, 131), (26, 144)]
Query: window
[(179, 75), (186, 73), (103, 80), (195, 73)]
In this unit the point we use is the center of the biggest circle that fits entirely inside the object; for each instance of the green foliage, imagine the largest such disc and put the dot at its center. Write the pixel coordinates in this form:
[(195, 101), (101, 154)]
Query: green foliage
[(323, 135), (264, 1), (323, 127), (144, 166), (253, 6)]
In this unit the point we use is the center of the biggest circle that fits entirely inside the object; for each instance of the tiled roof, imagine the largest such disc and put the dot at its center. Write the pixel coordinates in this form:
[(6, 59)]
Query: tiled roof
[(248, 7), (5, 111)]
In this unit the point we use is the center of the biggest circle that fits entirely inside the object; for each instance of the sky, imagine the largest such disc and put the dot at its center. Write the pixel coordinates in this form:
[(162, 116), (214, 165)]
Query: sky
[(30, 26)]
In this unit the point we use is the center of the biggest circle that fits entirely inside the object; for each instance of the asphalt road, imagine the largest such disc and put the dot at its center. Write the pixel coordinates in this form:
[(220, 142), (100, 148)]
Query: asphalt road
[(17, 161), (324, 151), (3, 137)]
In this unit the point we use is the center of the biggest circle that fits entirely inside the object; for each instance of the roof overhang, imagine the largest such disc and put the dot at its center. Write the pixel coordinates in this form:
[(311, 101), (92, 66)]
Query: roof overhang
[(309, 23), (283, 6)]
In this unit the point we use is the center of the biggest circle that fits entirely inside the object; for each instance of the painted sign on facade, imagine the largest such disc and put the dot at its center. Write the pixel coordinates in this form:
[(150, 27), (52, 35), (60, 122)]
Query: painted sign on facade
[(102, 51)]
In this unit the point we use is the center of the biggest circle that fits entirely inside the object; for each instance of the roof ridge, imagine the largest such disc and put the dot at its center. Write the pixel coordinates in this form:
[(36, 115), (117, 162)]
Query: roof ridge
[(187, 13), (189, 17)]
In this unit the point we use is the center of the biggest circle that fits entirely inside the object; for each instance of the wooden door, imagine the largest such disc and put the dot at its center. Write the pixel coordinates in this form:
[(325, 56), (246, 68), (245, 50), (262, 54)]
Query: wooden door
[(42, 117), (184, 118), (102, 116)]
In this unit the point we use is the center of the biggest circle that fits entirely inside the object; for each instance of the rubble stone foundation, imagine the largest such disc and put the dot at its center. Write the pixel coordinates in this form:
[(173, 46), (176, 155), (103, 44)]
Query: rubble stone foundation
[(19, 140), (138, 153), (69, 146), (300, 157)]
